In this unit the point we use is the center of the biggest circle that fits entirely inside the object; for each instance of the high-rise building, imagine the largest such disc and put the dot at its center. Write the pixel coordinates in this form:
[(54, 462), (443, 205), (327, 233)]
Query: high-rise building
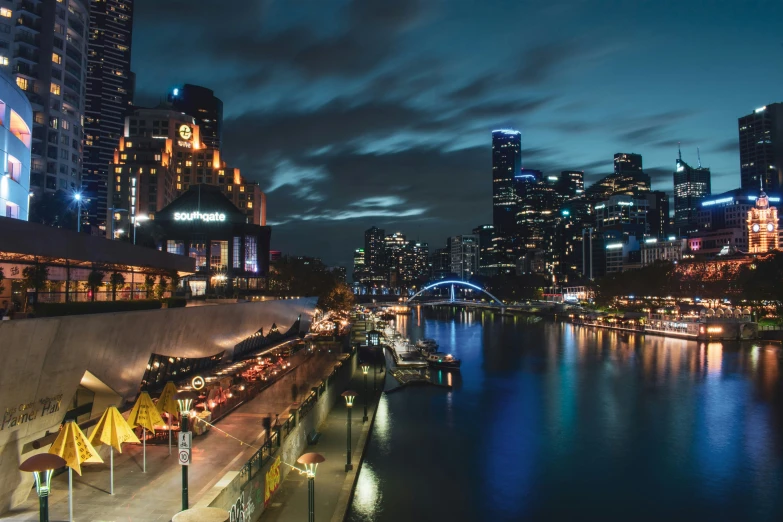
[(657, 213), (440, 263), (205, 107), (690, 187), (572, 182), (763, 234), (110, 86), (359, 267), (628, 163), (488, 265), (628, 178), (506, 164), (761, 149), (375, 252), (16, 115), (537, 201), (394, 255), (49, 62), (465, 256), (159, 158), (626, 214)]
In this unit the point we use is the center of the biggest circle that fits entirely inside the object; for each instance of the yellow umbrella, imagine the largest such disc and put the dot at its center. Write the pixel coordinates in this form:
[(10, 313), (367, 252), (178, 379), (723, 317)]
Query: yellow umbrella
[(145, 414), (72, 445), (112, 430), (167, 404)]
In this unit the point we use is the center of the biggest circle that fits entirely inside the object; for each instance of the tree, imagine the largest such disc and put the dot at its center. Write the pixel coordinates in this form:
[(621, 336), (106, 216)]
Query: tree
[(160, 290), (116, 281), (94, 281), (339, 300), (149, 285), (34, 277)]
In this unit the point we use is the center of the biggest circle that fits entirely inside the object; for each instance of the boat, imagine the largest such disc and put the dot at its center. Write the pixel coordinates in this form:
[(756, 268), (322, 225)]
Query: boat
[(443, 360), (427, 345)]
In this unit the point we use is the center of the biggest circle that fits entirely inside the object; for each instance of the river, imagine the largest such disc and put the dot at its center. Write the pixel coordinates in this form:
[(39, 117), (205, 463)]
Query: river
[(551, 421)]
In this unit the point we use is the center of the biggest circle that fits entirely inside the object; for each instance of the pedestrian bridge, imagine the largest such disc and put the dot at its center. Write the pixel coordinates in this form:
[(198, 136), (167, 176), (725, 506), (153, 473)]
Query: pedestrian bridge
[(452, 299)]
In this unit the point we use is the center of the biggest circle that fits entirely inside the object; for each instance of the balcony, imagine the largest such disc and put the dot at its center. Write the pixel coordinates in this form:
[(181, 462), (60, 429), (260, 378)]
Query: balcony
[(28, 22), (31, 8), (26, 69), (27, 38), (26, 54)]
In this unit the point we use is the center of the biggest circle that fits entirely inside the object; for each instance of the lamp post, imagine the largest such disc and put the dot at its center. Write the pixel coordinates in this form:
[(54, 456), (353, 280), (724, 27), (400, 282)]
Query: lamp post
[(42, 467), (184, 402), (78, 197), (310, 461), (349, 397), (136, 221), (365, 371)]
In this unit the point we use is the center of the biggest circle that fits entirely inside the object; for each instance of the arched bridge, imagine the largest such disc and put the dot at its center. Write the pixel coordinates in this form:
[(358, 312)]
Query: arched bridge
[(452, 296)]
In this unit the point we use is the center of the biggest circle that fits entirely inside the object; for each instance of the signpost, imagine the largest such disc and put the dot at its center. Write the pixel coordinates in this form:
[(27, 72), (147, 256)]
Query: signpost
[(185, 439)]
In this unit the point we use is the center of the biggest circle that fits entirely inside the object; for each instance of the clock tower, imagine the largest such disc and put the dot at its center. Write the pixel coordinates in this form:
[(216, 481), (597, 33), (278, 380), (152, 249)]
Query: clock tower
[(763, 226)]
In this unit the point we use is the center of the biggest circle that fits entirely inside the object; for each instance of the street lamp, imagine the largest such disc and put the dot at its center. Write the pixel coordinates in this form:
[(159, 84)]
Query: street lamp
[(42, 467), (365, 371), (349, 397), (310, 461), (136, 221), (78, 198), (113, 211), (184, 402)]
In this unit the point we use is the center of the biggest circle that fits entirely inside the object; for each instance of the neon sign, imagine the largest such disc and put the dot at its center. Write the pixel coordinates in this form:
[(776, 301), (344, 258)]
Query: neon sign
[(199, 216)]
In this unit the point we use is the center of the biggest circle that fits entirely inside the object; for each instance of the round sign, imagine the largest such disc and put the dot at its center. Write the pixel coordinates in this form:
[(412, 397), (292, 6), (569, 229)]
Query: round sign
[(184, 456), (770, 227), (185, 132), (197, 382), (755, 227)]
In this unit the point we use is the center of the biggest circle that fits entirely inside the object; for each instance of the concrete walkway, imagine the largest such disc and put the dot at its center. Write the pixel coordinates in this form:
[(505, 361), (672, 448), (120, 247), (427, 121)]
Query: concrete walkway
[(333, 484), (157, 494)]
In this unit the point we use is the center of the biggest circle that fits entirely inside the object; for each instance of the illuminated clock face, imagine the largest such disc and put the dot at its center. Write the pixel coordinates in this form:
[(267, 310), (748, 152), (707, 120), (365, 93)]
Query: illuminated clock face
[(770, 227), (755, 227), (184, 132)]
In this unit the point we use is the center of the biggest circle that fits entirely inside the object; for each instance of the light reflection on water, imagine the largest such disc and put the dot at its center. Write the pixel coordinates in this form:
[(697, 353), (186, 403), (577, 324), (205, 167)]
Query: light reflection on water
[(554, 422)]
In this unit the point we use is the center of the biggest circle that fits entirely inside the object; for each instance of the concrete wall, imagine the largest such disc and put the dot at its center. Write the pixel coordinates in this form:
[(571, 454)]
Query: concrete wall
[(43, 361), (238, 491)]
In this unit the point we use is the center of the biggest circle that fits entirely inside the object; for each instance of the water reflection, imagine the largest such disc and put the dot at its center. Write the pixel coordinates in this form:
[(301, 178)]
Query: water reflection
[(624, 426)]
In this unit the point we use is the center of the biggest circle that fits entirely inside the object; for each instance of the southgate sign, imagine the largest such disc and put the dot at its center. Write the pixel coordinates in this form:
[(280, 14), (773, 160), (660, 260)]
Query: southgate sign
[(199, 216)]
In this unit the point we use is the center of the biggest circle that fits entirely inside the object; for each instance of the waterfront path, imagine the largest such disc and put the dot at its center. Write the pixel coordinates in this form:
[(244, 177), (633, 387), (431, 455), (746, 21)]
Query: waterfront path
[(333, 486), (157, 494)]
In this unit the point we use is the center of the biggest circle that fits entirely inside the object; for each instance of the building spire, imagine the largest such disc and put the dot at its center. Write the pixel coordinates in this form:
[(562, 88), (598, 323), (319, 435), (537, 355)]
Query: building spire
[(698, 155), (679, 151)]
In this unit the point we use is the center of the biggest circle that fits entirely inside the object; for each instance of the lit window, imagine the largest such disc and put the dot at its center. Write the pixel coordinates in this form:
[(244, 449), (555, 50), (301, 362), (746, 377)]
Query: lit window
[(153, 171), (123, 156), (21, 82), (188, 163), (242, 188), (54, 89), (157, 157), (56, 58), (118, 188), (128, 144), (4, 11), (3, 60), (118, 170), (179, 186), (119, 178), (249, 204), (230, 188)]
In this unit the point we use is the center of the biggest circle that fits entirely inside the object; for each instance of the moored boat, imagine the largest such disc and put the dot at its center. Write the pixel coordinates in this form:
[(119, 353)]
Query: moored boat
[(443, 360), (427, 345)]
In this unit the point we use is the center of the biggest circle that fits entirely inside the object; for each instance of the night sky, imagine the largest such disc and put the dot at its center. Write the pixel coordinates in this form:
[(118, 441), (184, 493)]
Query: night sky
[(379, 112)]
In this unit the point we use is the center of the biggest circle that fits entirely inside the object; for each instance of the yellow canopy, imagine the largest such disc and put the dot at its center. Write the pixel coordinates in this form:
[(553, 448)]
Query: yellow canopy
[(166, 402), (112, 430), (144, 413), (73, 446)]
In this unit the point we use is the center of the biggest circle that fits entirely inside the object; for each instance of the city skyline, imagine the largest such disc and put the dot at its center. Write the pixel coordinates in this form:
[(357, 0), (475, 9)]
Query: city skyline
[(369, 110)]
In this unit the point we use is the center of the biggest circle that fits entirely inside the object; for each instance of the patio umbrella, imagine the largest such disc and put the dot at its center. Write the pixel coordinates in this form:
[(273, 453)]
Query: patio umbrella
[(112, 430), (145, 414), (167, 404), (72, 445)]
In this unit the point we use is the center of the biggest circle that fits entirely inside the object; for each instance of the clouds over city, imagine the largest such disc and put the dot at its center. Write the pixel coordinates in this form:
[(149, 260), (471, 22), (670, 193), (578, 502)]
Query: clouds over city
[(351, 113)]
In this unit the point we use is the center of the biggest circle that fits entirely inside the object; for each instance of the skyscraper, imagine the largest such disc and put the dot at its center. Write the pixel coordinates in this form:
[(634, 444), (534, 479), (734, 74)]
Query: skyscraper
[(488, 265), (572, 182), (628, 163), (465, 256), (205, 107), (690, 186), (110, 85), (628, 178), (374, 253), (506, 164), (50, 65), (761, 148), (657, 213)]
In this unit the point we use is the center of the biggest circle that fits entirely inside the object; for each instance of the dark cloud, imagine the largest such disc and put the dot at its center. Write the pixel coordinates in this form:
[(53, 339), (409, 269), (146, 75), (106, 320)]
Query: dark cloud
[(661, 177), (731, 145)]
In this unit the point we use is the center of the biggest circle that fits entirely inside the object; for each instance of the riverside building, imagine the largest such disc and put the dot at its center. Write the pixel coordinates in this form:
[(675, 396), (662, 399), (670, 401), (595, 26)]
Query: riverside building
[(16, 119), (161, 156)]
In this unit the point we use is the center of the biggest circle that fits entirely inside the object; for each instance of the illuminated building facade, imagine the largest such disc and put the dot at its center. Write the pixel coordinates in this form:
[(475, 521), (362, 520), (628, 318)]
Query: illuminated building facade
[(761, 149), (628, 178), (205, 107), (488, 265), (359, 268), (464, 256), (572, 182), (16, 120), (763, 234), (110, 86), (506, 164), (691, 185), (49, 62), (160, 157), (229, 251), (654, 249)]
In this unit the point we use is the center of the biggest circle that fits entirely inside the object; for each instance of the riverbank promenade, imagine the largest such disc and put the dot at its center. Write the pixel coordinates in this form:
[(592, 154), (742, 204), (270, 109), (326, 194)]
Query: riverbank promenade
[(156, 495), (333, 485)]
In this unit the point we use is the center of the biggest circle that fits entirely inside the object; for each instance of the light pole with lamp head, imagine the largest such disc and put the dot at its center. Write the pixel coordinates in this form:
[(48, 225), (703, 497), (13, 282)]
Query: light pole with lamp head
[(42, 467), (365, 371), (349, 398), (310, 461), (77, 196), (184, 402), (136, 221)]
